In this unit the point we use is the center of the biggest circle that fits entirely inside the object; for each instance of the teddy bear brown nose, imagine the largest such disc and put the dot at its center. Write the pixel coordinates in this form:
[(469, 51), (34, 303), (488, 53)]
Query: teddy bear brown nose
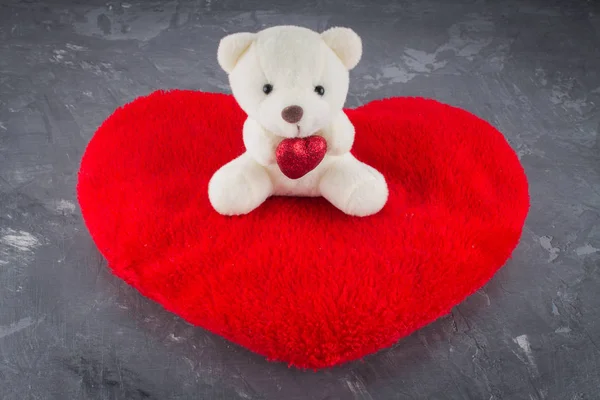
[(292, 114)]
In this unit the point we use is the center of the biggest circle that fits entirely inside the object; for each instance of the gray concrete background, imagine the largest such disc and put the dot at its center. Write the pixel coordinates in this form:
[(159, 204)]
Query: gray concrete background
[(70, 330)]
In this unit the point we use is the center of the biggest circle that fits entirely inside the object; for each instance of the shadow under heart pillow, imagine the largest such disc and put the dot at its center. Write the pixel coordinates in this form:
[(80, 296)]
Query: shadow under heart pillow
[(297, 280)]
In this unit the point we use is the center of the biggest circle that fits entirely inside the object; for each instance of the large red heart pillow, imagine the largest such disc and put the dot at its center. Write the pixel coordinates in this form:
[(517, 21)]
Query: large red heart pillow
[(297, 280)]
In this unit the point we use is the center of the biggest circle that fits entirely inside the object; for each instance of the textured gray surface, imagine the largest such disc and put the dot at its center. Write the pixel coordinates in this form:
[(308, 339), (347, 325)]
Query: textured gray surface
[(69, 330)]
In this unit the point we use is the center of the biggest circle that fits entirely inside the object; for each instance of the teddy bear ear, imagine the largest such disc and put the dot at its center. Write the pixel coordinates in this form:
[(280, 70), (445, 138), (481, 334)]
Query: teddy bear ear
[(345, 43), (231, 49)]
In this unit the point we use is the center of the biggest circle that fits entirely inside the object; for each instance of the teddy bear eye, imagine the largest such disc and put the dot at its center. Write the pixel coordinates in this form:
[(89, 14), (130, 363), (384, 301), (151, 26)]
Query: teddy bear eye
[(320, 90), (268, 88)]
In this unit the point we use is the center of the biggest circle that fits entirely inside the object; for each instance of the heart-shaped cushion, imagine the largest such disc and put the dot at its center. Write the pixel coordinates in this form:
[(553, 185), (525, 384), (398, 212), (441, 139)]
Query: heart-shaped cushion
[(297, 280)]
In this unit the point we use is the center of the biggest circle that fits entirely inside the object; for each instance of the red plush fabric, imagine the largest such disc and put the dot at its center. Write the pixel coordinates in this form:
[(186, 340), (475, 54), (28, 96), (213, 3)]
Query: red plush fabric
[(297, 280)]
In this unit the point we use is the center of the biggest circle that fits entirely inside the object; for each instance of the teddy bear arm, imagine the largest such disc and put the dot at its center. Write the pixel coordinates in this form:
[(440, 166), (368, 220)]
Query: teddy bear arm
[(340, 135), (258, 143)]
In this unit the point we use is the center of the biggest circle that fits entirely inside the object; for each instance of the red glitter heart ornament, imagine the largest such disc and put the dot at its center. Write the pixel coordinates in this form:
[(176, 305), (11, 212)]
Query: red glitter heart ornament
[(296, 157)]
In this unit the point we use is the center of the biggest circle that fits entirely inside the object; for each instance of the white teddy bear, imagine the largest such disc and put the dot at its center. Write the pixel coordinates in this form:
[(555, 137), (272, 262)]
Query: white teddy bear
[(292, 83)]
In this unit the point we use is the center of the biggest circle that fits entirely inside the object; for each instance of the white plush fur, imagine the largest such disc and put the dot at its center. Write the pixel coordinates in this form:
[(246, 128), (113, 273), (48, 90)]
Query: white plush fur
[(294, 61)]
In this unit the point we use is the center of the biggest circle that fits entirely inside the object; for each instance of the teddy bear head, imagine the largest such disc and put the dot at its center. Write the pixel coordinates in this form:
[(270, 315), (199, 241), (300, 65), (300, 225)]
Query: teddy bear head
[(290, 79)]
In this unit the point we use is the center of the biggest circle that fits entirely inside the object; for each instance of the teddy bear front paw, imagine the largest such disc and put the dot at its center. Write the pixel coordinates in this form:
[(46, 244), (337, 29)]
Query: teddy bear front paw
[(239, 187)]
